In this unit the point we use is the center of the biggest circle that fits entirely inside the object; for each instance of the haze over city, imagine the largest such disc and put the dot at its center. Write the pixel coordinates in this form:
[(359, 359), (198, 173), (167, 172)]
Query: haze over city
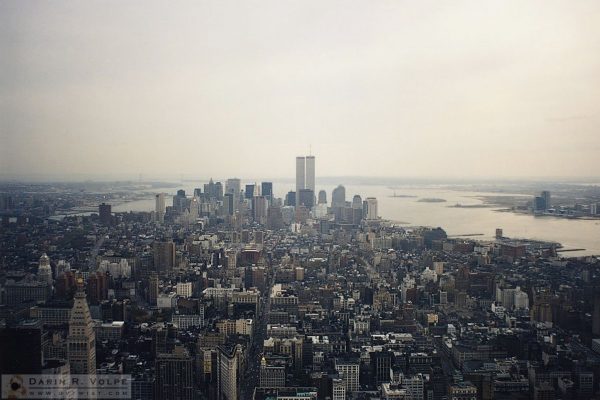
[(465, 89)]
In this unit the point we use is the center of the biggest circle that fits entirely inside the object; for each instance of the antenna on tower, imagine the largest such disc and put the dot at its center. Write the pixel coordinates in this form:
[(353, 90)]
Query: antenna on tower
[(310, 149)]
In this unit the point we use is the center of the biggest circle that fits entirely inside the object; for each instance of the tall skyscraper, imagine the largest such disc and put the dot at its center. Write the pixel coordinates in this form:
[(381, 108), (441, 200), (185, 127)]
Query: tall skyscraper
[(259, 209), (175, 375), (306, 198), (547, 200), (234, 186), (300, 176), (371, 213), (305, 175), (322, 197), (338, 197), (159, 209), (267, 190), (44, 272), (249, 192), (81, 342), (290, 199), (219, 190), (310, 173), (228, 204), (104, 211), (229, 371), (164, 256), (596, 315), (21, 348), (153, 289)]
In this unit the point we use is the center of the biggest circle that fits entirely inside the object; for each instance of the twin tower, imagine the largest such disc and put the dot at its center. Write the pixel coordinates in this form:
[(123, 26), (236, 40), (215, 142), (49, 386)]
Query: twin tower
[(305, 174)]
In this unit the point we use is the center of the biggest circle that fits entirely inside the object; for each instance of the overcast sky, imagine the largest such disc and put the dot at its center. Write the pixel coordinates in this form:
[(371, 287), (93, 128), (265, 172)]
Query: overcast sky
[(223, 88)]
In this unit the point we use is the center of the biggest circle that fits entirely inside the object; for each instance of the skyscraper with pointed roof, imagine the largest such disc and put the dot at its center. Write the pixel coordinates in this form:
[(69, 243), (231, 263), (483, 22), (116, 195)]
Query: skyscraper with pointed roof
[(44, 273), (81, 349)]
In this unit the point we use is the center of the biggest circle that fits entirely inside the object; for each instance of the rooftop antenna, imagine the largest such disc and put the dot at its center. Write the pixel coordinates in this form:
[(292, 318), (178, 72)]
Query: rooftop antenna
[(310, 149)]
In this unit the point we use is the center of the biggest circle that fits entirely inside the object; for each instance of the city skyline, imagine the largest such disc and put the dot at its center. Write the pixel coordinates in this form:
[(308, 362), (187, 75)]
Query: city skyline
[(492, 83), (310, 200)]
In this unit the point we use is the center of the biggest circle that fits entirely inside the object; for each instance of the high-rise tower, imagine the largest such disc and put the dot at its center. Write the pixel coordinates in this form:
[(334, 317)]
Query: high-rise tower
[(44, 270), (160, 208), (310, 173), (300, 175), (305, 175), (81, 348)]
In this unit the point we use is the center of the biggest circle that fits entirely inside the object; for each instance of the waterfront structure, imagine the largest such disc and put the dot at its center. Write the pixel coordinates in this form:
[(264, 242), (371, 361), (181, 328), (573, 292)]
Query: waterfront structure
[(371, 208)]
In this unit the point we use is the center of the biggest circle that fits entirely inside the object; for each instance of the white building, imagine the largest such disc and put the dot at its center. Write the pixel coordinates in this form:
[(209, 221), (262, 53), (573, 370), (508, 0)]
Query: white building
[(44, 273), (414, 387), (371, 212), (186, 321), (349, 371), (184, 289), (122, 269), (339, 389)]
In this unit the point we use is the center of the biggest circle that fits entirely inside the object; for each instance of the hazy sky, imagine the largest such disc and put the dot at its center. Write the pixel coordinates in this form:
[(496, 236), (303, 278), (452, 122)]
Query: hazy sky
[(222, 88)]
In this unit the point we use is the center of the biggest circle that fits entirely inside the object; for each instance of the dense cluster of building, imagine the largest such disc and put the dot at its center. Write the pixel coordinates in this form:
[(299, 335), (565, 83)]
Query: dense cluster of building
[(233, 293), (542, 205)]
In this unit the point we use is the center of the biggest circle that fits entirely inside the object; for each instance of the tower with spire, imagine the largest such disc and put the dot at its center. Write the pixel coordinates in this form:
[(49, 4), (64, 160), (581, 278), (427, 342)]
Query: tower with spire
[(81, 348), (44, 273)]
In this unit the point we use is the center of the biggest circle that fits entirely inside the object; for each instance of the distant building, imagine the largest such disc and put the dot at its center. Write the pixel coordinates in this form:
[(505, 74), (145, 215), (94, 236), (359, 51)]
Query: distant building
[(164, 256), (266, 189), (338, 197), (306, 197), (159, 208), (249, 192), (371, 209), (233, 186), (105, 213), (322, 197), (310, 173), (290, 199), (153, 289), (547, 199), (26, 291), (228, 207), (300, 177), (44, 272)]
